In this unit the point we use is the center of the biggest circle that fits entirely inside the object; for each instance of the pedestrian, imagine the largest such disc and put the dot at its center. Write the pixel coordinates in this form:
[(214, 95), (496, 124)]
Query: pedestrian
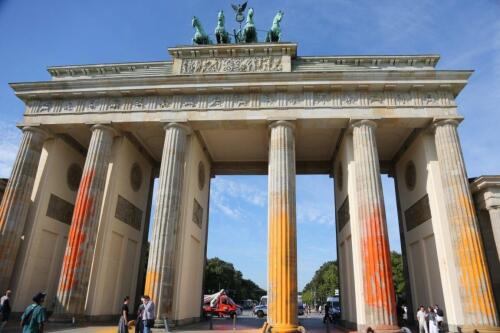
[(123, 323), (139, 325), (148, 314), (320, 310), (439, 317), (5, 309), (327, 313), (431, 315), (404, 310), (33, 318), (421, 318)]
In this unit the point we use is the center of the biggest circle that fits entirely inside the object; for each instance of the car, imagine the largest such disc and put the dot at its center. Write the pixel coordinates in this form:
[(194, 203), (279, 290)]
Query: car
[(220, 305), (261, 309), (334, 302)]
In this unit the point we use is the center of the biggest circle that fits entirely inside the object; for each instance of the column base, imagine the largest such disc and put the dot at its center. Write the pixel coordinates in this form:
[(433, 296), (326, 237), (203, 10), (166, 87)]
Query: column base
[(282, 328), (478, 329), (378, 329)]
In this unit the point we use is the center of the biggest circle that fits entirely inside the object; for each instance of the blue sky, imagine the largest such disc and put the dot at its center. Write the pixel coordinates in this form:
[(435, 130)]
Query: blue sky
[(36, 34)]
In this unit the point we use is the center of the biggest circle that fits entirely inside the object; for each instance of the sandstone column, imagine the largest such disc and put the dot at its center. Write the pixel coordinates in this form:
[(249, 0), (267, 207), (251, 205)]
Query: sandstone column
[(475, 287), (75, 275), (494, 212), (16, 200), (379, 296), (282, 243), (161, 264)]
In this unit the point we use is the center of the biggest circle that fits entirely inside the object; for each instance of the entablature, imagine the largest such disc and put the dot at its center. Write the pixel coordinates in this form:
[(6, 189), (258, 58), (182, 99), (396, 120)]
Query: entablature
[(327, 99)]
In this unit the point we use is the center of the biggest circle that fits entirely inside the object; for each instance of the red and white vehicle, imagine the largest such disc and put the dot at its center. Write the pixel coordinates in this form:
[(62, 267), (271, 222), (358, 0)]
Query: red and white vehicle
[(220, 305)]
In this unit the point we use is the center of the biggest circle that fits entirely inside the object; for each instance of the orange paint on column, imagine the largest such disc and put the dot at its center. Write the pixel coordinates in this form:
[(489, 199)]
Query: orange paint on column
[(77, 235)]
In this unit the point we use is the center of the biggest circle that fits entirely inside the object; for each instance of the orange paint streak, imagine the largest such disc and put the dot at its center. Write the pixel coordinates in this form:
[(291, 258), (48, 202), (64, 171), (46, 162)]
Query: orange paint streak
[(77, 235), (378, 286), (7, 198), (152, 278)]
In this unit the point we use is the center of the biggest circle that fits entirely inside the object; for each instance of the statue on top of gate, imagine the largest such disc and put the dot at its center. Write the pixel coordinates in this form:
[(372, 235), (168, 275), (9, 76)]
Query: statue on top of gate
[(200, 37), (249, 34), (274, 35), (245, 34), (221, 34)]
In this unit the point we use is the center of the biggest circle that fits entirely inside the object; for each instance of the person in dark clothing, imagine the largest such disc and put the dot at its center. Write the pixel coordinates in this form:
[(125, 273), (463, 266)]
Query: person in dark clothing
[(327, 313), (123, 324), (5, 309), (139, 325)]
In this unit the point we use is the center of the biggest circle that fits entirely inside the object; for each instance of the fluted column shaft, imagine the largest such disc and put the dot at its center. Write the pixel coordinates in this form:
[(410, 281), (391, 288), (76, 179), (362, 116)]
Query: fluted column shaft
[(282, 252), (161, 263), (16, 200), (75, 274), (475, 287), (379, 296), (495, 226)]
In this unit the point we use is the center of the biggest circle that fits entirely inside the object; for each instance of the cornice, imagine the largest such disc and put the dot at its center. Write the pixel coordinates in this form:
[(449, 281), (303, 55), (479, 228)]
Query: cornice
[(484, 182), (381, 80), (233, 50)]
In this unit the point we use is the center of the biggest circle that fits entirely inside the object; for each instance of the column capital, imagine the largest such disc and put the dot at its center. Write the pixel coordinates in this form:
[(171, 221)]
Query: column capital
[(363, 122), (286, 123), (36, 129), (105, 127), (182, 126), (438, 122)]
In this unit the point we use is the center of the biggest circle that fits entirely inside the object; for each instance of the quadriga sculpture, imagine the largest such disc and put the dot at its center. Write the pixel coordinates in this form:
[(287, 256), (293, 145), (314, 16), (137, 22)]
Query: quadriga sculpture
[(221, 34), (200, 37), (249, 31), (274, 35)]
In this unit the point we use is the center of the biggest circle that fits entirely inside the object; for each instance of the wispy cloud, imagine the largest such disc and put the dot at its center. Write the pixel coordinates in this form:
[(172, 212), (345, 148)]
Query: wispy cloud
[(227, 196), (9, 145)]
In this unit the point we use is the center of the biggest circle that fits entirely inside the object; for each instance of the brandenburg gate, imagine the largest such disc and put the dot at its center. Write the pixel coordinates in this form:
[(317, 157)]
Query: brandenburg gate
[(75, 215)]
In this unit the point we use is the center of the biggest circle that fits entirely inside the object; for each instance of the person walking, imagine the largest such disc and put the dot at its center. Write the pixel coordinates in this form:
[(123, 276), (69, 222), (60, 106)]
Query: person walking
[(327, 313), (421, 318), (404, 310), (439, 317), (431, 315), (148, 315), (33, 318), (123, 323), (5, 309), (139, 325)]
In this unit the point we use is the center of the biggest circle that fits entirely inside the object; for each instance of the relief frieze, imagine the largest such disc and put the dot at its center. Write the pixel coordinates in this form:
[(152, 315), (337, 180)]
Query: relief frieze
[(230, 101), (232, 65)]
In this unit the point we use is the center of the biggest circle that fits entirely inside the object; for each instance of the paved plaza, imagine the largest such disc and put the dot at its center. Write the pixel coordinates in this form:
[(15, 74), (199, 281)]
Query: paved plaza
[(245, 323)]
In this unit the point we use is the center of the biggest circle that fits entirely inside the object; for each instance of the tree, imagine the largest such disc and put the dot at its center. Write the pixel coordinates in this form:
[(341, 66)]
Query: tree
[(398, 276), (326, 280), (323, 284), (220, 274)]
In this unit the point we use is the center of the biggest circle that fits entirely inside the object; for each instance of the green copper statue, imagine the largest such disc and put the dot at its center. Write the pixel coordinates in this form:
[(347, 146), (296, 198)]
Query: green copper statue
[(249, 31), (274, 35), (220, 31), (200, 37)]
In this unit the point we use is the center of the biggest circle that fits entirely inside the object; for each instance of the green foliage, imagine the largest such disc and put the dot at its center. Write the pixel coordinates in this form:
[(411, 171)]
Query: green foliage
[(326, 280), (222, 275), (398, 274), (323, 284)]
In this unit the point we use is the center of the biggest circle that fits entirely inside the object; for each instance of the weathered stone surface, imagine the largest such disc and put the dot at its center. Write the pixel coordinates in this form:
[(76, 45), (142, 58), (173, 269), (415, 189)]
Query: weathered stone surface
[(75, 275), (282, 238), (16, 200), (475, 286), (161, 263), (379, 296)]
